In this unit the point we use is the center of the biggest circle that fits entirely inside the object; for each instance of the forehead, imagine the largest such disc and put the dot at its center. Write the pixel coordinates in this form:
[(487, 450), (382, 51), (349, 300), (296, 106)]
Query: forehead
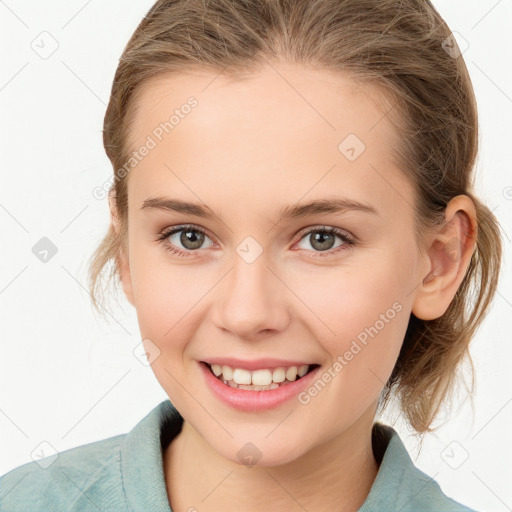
[(296, 96), (288, 129)]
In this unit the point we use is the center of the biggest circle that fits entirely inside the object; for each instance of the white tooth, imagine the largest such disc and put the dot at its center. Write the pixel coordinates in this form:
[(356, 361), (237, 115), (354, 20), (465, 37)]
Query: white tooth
[(279, 375), (227, 372), (291, 373), (303, 370), (261, 377), (216, 369), (241, 376)]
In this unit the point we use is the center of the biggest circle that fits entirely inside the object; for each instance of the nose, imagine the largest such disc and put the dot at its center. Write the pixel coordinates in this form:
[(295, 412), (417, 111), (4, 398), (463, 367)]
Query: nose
[(253, 300)]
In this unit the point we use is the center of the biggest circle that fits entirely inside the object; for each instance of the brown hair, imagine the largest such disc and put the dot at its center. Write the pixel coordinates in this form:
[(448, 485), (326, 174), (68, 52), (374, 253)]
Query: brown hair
[(400, 46)]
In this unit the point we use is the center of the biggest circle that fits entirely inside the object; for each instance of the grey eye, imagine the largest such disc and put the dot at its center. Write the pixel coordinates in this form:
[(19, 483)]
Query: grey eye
[(190, 238), (321, 240)]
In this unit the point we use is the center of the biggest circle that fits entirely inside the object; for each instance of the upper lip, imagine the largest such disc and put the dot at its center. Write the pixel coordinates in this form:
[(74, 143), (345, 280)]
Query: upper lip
[(254, 364)]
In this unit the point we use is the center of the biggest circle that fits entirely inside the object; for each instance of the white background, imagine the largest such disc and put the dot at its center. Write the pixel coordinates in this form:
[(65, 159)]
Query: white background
[(69, 378)]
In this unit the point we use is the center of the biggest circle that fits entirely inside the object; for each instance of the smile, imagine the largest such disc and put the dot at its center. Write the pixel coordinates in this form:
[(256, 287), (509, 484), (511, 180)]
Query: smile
[(263, 379), (253, 397)]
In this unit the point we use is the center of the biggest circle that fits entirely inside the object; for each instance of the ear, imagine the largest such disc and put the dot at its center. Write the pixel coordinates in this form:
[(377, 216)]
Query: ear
[(121, 259), (450, 251)]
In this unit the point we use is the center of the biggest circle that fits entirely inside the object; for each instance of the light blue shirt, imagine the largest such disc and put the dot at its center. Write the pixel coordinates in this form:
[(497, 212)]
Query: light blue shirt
[(125, 473)]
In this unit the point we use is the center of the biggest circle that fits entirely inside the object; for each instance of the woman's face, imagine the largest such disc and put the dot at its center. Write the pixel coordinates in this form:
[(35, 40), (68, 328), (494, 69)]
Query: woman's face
[(259, 284)]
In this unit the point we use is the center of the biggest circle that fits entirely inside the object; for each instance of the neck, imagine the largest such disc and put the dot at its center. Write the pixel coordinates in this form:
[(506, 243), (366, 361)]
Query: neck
[(335, 475)]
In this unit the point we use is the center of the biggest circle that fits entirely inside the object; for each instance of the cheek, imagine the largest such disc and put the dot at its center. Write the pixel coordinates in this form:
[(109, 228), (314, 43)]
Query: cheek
[(166, 295), (362, 311), (166, 304), (167, 299), (364, 318)]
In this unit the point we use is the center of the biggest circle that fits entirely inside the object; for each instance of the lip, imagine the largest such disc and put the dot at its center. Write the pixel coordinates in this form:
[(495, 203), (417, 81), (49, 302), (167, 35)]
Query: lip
[(253, 401), (255, 364)]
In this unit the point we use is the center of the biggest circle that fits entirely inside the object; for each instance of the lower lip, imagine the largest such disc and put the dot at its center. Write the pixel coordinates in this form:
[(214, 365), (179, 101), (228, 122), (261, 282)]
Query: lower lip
[(249, 401)]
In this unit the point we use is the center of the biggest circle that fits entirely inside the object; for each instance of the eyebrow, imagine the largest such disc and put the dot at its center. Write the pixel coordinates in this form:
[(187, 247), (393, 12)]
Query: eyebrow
[(318, 206)]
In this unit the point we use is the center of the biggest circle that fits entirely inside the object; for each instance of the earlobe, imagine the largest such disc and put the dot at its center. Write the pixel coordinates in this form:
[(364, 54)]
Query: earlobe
[(450, 251), (121, 258)]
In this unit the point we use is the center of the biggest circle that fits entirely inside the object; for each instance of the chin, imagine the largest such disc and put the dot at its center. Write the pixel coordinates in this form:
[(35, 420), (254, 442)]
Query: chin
[(258, 453)]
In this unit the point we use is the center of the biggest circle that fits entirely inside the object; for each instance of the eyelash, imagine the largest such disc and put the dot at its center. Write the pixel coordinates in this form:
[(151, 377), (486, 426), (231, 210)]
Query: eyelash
[(180, 253)]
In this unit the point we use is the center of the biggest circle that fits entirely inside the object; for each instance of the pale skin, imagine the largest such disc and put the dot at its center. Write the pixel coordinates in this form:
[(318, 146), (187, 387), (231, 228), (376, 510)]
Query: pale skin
[(247, 150)]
